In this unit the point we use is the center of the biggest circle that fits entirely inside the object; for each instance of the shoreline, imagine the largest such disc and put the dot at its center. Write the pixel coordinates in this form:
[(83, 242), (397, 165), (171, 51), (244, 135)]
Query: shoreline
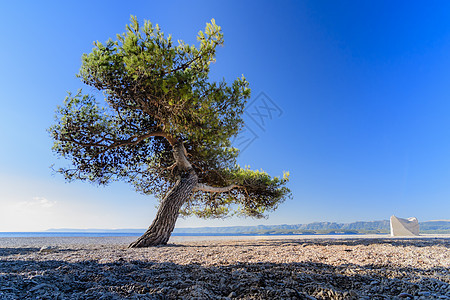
[(56, 241)]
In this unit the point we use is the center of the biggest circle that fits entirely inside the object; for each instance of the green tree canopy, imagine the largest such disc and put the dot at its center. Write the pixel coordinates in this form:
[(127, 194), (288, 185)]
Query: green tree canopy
[(160, 116)]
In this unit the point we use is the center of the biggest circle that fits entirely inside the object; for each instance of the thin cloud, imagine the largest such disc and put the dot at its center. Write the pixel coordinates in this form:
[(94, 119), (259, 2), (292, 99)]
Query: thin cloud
[(38, 202)]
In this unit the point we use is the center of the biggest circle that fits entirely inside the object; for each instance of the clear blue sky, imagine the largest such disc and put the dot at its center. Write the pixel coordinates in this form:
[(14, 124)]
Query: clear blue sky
[(363, 86)]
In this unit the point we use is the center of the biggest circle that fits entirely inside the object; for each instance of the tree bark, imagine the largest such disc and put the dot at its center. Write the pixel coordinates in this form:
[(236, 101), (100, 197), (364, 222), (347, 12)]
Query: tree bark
[(159, 232)]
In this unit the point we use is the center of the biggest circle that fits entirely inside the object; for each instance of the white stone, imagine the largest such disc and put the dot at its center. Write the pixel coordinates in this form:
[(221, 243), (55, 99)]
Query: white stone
[(47, 249), (404, 227)]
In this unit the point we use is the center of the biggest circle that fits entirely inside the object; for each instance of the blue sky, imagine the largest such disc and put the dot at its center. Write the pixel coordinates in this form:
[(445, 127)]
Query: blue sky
[(362, 89)]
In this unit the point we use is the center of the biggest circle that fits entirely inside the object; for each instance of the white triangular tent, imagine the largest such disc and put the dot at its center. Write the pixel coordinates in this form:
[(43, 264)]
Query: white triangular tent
[(404, 227)]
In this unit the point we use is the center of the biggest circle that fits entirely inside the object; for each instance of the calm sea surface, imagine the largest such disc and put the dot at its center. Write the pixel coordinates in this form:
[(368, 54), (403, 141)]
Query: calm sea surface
[(63, 234), (98, 234), (61, 239)]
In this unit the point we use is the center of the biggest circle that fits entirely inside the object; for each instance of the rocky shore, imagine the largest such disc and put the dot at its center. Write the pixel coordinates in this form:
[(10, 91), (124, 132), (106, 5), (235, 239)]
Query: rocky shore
[(382, 268)]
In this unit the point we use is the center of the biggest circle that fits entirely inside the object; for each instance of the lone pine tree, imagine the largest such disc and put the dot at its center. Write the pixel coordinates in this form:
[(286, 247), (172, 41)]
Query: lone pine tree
[(163, 127)]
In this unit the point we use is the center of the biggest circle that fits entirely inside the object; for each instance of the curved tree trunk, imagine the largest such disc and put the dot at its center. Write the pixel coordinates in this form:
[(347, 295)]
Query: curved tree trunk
[(159, 232)]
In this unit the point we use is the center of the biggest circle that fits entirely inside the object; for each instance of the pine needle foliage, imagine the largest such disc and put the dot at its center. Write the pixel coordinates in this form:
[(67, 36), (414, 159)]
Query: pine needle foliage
[(157, 92)]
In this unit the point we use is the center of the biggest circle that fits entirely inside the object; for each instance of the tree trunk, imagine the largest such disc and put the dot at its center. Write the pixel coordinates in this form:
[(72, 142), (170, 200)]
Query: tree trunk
[(159, 232)]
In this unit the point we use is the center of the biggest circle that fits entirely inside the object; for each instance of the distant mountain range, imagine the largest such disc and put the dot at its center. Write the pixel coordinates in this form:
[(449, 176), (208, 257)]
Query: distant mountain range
[(371, 227)]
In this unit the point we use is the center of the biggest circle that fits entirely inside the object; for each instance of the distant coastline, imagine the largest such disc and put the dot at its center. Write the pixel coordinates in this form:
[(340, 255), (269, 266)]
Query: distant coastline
[(317, 228)]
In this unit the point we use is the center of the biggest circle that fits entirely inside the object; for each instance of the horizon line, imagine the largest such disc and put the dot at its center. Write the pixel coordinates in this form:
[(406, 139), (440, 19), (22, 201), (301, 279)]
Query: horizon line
[(99, 229)]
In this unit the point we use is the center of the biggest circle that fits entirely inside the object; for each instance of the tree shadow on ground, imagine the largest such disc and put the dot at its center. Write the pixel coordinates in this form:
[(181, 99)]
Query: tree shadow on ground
[(15, 251), (4, 251), (25, 279), (417, 242)]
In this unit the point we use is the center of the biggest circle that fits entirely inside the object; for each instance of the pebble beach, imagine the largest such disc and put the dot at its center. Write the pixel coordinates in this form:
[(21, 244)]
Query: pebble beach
[(239, 268)]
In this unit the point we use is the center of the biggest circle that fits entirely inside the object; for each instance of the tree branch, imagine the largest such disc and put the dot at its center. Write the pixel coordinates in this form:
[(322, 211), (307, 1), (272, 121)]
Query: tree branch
[(207, 188), (185, 65), (133, 140)]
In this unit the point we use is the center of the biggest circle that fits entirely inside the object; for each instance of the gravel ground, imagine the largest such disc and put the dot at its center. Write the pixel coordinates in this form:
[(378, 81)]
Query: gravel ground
[(363, 268)]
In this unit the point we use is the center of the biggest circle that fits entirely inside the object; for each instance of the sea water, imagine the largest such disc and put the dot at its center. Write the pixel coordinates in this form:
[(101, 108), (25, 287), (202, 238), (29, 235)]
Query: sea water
[(102, 234)]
